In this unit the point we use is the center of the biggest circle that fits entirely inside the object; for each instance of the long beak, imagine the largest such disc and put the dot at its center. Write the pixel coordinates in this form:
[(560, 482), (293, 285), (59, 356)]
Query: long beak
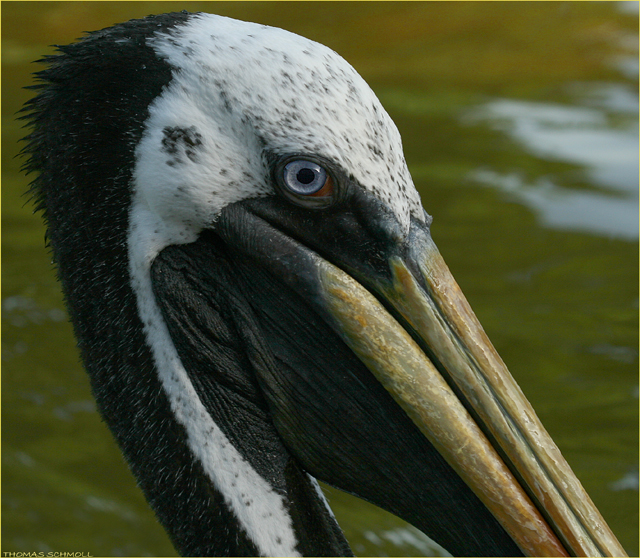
[(441, 368), (524, 480)]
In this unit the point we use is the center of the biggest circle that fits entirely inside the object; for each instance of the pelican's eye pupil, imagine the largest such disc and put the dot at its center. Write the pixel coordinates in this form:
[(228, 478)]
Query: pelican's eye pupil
[(304, 178)]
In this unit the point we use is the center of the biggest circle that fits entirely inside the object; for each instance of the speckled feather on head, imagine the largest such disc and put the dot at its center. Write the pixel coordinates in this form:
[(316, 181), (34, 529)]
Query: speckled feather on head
[(240, 89)]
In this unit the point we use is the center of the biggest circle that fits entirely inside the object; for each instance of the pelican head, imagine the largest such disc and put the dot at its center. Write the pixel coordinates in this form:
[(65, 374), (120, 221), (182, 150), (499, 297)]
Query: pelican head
[(259, 304)]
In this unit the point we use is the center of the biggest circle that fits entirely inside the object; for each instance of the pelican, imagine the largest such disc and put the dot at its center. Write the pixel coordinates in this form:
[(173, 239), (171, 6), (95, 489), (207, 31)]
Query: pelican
[(259, 304)]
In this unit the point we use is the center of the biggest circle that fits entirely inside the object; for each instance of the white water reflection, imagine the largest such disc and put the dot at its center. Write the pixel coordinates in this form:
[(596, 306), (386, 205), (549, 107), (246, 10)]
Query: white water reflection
[(628, 7), (598, 133), (628, 65), (406, 538), (565, 209), (601, 136)]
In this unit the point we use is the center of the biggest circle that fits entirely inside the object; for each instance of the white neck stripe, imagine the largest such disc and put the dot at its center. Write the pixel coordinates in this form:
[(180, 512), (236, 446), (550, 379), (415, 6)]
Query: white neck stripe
[(265, 520)]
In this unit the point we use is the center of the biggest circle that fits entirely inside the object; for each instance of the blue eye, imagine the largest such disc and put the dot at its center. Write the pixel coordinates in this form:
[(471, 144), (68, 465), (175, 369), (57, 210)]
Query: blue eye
[(304, 178)]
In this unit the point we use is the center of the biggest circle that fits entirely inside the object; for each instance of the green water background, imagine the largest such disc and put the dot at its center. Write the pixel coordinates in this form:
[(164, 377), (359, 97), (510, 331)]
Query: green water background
[(519, 123)]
